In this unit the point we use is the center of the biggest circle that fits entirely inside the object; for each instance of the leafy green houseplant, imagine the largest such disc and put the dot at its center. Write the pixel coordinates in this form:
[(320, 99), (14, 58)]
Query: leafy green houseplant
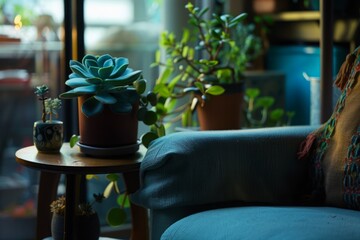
[(108, 93), (48, 133), (259, 111), (88, 226), (117, 214), (207, 62)]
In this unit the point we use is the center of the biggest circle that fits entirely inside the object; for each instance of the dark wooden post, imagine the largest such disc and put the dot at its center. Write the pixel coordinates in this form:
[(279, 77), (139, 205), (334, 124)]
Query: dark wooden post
[(326, 58)]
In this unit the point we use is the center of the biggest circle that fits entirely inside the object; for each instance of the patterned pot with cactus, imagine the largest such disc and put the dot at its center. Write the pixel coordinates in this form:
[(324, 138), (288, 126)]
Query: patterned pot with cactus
[(48, 136), (48, 133), (87, 220)]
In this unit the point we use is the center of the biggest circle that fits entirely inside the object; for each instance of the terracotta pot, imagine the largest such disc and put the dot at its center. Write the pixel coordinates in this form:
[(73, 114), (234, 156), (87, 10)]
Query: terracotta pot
[(88, 227), (108, 129), (48, 136), (223, 112)]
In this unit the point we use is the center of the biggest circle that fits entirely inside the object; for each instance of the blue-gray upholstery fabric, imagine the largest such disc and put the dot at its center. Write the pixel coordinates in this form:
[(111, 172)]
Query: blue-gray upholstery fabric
[(258, 223), (194, 168)]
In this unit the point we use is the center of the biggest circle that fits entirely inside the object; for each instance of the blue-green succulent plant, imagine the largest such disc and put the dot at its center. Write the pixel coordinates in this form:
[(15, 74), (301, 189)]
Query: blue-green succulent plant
[(106, 80)]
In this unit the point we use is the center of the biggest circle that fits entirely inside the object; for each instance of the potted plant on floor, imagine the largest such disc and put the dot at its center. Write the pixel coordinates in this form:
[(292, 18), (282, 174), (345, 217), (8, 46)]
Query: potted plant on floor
[(259, 112), (48, 133), (207, 63), (108, 94), (88, 226)]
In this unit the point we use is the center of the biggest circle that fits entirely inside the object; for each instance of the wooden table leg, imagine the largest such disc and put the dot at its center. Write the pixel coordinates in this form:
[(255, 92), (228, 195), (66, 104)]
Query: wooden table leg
[(48, 186), (72, 200), (139, 216)]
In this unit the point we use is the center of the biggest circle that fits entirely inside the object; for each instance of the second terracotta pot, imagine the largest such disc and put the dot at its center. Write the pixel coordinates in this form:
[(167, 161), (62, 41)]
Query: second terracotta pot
[(223, 112)]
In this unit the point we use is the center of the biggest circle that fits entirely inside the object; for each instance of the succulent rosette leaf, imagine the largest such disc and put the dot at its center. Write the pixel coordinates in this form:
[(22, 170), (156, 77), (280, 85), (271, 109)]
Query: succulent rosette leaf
[(106, 80)]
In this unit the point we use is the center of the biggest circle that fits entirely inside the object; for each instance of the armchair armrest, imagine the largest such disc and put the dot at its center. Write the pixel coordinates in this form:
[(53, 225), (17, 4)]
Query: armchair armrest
[(196, 168)]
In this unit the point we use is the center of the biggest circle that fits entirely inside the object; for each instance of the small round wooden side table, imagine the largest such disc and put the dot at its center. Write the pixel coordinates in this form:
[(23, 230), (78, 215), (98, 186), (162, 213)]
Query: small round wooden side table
[(72, 163)]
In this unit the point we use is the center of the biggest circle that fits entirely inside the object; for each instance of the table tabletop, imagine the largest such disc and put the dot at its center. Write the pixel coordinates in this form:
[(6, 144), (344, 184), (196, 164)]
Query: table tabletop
[(72, 161)]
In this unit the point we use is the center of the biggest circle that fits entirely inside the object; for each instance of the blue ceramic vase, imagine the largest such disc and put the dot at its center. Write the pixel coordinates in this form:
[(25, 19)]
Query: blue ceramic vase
[(48, 136)]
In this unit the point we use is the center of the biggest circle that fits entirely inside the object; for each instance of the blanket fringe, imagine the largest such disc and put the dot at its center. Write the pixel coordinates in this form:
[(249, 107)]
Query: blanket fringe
[(306, 145)]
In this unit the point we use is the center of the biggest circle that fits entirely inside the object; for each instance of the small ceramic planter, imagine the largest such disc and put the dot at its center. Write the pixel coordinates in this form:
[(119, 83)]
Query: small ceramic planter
[(48, 136), (88, 227)]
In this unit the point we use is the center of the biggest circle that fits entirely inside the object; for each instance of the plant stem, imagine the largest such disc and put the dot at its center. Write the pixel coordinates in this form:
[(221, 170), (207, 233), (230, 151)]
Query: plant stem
[(43, 116)]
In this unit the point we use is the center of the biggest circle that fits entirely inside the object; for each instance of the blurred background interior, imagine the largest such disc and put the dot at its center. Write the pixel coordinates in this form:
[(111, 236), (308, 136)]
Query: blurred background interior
[(32, 53)]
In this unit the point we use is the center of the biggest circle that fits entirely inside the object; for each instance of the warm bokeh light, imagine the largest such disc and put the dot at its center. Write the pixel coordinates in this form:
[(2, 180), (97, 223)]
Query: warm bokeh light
[(17, 22)]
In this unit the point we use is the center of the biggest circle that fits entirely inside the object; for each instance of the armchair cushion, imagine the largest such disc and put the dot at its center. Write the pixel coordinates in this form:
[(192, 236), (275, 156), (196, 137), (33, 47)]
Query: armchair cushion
[(267, 223)]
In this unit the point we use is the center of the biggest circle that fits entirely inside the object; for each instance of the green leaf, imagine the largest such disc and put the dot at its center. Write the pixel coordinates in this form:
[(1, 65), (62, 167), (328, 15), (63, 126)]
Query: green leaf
[(140, 85), (189, 6), (108, 63), (162, 90), (160, 109), (150, 117), (116, 217), (94, 71), (215, 90), (225, 18), (239, 18), (108, 189), (88, 57), (200, 86), (105, 98), (105, 72), (186, 118), (91, 107), (81, 71), (121, 65), (202, 12), (161, 130), (126, 79), (265, 102), (94, 80), (170, 103), (121, 107), (151, 97), (277, 114), (73, 140), (103, 58), (123, 200), (164, 76), (85, 89), (90, 63), (157, 56), (185, 36), (208, 62), (79, 91), (112, 177), (92, 176), (252, 92), (76, 82), (148, 137), (174, 81), (141, 114), (185, 51)]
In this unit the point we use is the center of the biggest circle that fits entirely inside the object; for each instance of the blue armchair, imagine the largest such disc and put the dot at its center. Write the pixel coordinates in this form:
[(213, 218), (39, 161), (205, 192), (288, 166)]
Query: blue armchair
[(241, 184)]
